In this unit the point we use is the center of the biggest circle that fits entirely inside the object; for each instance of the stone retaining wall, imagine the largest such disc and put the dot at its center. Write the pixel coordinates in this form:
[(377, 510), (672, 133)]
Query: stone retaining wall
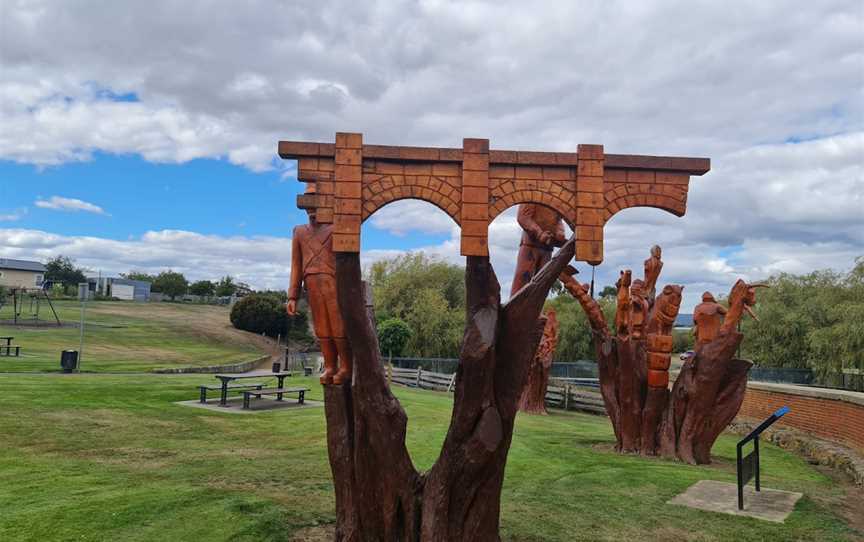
[(241, 367)]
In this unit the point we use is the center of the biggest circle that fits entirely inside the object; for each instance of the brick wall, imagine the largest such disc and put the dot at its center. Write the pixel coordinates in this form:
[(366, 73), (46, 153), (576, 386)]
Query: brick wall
[(829, 414)]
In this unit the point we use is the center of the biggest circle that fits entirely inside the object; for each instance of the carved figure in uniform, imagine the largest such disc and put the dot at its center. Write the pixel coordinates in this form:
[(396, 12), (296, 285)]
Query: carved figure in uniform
[(707, 319), (543, 229), (313, 265)]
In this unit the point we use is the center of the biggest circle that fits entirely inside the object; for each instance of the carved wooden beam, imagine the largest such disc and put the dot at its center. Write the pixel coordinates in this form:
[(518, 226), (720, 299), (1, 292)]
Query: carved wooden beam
[(474, 184)]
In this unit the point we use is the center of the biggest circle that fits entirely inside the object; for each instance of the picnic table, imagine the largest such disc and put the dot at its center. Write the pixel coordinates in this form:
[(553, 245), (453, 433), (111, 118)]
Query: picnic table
[(8, 347), (227, 378)]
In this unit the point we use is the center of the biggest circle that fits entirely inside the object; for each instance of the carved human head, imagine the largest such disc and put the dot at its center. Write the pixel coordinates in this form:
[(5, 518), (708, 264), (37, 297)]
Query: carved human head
[(311, 212), (656, 251), (672, 294), (708, 297)]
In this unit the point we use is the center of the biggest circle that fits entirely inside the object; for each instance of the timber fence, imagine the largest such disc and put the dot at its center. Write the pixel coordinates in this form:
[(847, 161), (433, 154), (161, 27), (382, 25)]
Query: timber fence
[(564, 393)]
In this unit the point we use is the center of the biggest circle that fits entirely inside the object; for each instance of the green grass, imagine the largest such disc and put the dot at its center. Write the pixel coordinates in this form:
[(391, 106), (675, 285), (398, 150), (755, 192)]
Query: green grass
[(90, 457), (125, 336)]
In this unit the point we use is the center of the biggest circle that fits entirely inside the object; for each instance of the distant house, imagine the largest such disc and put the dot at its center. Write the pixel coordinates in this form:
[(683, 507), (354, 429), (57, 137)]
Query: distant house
[(120, 288), (21, 273)]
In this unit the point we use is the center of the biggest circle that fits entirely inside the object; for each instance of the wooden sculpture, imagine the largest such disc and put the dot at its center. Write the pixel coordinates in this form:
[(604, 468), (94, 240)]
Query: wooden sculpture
[(533, 399), (653, 266), (622, 316), (634, 372), (542, 230), (707, 319), (379, 493), (313, 265)]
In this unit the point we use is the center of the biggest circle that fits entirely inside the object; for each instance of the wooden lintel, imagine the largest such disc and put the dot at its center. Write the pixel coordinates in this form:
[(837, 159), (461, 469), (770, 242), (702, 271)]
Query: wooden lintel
[(692, 166)]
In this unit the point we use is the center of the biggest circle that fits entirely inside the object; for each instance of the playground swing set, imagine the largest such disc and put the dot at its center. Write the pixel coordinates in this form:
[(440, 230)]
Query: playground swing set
[(27, 304)]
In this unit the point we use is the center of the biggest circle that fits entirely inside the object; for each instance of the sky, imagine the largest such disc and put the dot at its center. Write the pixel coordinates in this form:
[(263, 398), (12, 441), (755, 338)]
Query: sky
[(142, 135)]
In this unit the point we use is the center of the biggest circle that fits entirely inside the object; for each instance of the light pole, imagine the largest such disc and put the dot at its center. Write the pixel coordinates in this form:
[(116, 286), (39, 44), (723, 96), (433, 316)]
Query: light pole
[(83, 293)]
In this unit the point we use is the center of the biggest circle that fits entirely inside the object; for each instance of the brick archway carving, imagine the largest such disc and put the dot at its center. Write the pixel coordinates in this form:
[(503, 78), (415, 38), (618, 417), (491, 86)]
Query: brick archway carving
[(661, 190), (473, 185), (439, 191)]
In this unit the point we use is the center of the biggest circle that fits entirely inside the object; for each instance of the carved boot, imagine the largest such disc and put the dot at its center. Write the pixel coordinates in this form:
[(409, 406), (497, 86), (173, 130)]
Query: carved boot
[(328, 350), (345, 361)]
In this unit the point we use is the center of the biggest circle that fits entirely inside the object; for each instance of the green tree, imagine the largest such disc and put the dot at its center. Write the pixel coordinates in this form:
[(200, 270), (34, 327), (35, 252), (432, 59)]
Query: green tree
[(393, 336), (138, 275), (260, 313), (226, 286), (171, 283), (203, 288), (811, 321), (436, 327), (609, 291), (574, 333), (428, 295), (682, 340), (62, 270)]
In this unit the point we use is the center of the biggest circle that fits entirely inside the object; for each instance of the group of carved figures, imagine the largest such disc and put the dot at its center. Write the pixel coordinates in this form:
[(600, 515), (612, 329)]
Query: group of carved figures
[(505, 359), (641, 317)]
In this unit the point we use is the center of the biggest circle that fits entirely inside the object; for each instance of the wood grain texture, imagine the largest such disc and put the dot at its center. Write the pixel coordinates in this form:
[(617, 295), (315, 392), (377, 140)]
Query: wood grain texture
[(379, 493)]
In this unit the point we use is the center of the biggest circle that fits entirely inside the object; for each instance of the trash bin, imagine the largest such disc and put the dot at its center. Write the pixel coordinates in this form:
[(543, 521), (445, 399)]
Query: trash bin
[(277, 367), (69, 360)]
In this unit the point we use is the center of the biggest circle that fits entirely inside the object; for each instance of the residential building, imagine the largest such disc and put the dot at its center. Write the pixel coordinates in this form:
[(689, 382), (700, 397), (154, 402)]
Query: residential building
[(120, 288), (21, 273)]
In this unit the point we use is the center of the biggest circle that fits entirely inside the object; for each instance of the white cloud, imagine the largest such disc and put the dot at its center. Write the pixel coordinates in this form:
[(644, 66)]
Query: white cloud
[(676, 78), (259, 260), (405, 216), (58, 203), (12, 216), (714, 79)]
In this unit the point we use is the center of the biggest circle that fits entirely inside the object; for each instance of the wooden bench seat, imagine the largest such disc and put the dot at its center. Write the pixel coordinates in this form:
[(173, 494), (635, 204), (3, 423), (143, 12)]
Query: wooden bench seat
[(278, 392), (8, 348), (205, 389)]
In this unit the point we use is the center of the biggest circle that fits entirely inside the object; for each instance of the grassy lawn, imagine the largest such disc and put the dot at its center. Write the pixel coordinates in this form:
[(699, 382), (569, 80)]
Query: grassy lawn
[(90, 457), (126, 336)]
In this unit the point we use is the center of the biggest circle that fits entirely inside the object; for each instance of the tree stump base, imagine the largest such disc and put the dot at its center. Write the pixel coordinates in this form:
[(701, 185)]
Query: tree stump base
[(379, 493)]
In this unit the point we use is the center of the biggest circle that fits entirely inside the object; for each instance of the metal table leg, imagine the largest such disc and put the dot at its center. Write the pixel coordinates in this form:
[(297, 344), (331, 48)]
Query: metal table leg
[(223, 401)]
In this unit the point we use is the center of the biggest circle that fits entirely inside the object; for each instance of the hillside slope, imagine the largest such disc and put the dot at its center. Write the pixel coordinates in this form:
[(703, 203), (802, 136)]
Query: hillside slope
[(125, 336)]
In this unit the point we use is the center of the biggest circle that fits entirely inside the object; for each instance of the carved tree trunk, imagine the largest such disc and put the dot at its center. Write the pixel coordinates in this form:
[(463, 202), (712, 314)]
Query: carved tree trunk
[(379, 493), (533, 398), (685, 423), (646, 417)]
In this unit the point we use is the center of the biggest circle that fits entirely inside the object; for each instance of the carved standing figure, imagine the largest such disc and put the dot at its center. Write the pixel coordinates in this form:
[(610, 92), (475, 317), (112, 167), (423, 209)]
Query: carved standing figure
[(313, 265), (707, 319), (622, 315), (638, 309), (543, 229), (533, 399), (653, 266)]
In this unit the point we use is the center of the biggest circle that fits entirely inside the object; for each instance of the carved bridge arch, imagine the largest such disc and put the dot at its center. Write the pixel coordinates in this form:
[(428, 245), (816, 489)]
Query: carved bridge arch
[(473, 185)]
